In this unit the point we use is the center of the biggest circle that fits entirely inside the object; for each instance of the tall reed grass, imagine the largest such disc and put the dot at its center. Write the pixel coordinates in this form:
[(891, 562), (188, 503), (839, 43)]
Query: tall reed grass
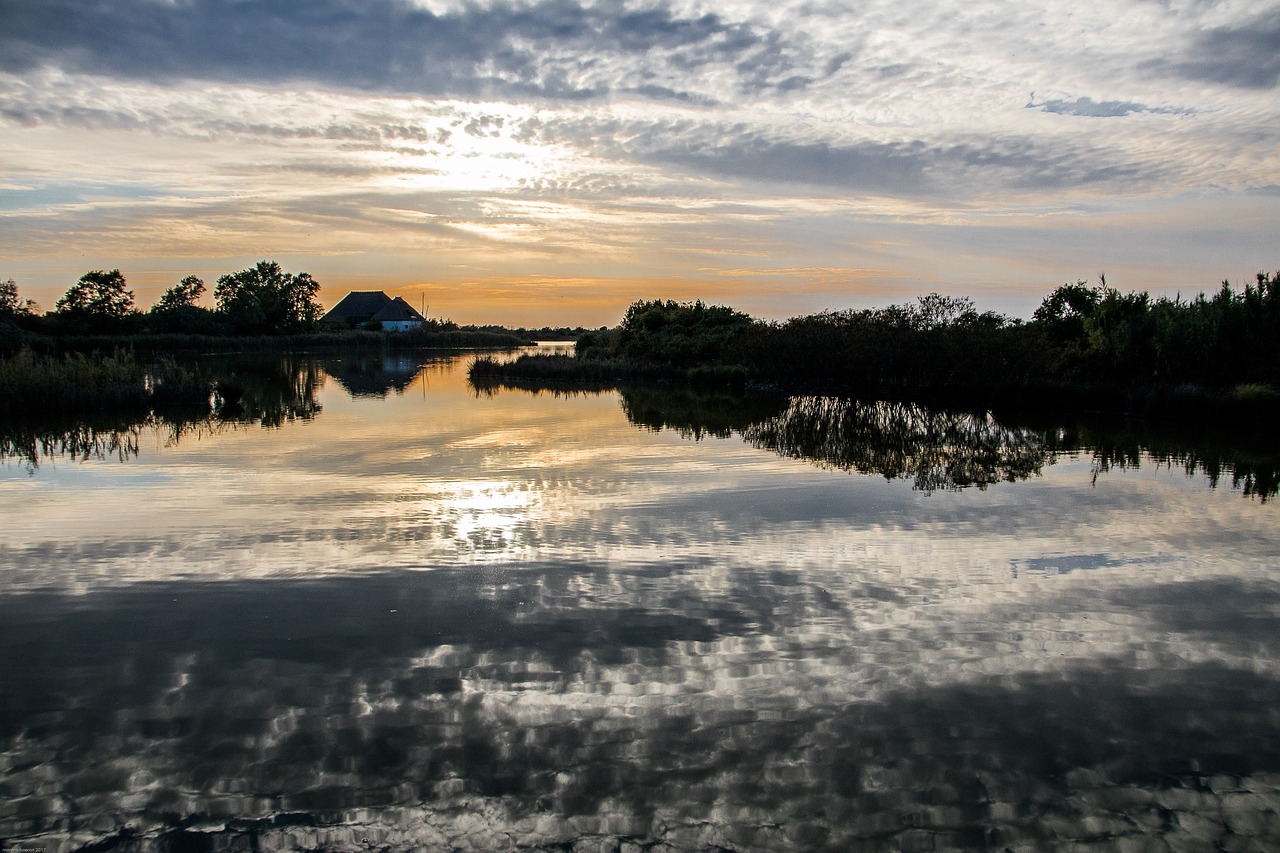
[(33, 385)]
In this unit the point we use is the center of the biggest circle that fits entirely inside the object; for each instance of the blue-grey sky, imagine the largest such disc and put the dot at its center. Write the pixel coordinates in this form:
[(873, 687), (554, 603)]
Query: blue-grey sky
[(552, 160)]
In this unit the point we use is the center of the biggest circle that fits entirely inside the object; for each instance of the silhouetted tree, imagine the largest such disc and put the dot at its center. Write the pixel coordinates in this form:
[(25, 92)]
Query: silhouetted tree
[(98, 294), (266, 299), (935, 310), (178, 312), (1067, 303), (183, 294), (11, 305), (677, 334)]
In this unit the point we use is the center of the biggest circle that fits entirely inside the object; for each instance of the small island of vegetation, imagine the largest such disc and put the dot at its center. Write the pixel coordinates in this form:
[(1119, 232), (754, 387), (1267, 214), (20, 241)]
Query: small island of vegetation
[(1210, 358)]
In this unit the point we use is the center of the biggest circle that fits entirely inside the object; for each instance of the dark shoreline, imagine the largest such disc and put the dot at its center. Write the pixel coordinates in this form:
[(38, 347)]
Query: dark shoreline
[(1251, 406), (162, 343), (1210, 359)]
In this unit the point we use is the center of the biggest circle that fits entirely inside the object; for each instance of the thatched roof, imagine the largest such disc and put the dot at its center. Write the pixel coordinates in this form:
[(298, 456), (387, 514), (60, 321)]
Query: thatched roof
[(358, 306), (397, 310)]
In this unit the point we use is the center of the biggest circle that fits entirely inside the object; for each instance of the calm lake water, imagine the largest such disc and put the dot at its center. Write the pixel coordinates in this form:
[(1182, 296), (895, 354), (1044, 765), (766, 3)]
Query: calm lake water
[(370, 607)]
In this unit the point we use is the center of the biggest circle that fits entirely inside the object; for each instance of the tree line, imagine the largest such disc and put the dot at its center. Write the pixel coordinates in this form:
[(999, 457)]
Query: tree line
[(261, 300), (1085, 346), (1079, 335)]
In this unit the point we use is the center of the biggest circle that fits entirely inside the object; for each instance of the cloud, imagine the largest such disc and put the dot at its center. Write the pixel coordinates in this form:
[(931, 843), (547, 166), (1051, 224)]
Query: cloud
[(1245, 56), (641, 136), (919, 167), (550, 48), (868, 166)]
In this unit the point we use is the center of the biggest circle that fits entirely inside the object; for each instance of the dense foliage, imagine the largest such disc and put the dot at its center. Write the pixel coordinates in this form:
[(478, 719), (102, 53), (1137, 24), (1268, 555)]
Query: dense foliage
[(1078, 334), (99, 301), (266, 299), (1227, 339), (261, 300), (1088, 345), (939, 342), (671, 334)]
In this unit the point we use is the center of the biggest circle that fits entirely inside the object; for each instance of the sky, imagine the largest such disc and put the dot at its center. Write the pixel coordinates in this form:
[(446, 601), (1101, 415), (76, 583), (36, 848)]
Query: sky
[(536, 162)]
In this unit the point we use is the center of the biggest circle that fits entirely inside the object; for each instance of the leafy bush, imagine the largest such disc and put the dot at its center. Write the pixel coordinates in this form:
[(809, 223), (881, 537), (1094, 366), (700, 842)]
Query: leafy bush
[(678, 335)]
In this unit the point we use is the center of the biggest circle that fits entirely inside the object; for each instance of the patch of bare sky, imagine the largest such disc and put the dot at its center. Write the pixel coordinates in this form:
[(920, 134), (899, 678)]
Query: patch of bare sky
[(1099, 109)]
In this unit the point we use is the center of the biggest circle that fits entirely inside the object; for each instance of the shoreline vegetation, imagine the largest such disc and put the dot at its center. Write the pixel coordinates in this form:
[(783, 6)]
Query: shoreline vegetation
[(97, 354), (263, 308), (1210, 359)]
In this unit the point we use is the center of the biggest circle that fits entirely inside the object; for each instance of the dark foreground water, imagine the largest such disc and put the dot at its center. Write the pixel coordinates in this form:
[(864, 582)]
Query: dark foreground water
[(369, 607)]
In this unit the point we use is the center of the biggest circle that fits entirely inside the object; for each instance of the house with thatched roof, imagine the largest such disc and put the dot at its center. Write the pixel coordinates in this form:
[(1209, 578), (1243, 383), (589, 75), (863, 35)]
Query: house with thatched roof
[(367, 307), (399, 316)]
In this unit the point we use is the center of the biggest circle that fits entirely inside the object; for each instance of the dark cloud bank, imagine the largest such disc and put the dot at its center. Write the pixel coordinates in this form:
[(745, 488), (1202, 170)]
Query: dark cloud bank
[(1247, 56), (548, 48), (381, 45)]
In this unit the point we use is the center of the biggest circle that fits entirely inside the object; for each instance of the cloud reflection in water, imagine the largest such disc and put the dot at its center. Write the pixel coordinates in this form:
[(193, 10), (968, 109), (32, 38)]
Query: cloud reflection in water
[(441, 620), (529, 697)]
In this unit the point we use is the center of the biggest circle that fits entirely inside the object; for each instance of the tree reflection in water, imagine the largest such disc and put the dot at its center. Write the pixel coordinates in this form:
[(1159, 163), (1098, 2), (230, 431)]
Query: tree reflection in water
[(936, 449), (29, 444), (1249, 463), (271, 392), (943, 450), (698, 415)]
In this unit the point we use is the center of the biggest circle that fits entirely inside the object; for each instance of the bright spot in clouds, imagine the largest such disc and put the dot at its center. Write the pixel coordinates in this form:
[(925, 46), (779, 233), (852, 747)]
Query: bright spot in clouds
[(548, 161)]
